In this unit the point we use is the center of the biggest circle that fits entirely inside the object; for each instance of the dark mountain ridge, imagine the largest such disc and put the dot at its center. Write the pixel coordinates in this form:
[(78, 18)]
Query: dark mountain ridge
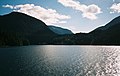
[(108, 34), (20, 22), (20, 29), (105, 35), (23, 27), (109, 24)]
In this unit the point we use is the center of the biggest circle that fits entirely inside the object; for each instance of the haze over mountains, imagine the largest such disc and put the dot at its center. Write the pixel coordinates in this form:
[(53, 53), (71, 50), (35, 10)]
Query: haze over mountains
[(59, 30), (21, 29)]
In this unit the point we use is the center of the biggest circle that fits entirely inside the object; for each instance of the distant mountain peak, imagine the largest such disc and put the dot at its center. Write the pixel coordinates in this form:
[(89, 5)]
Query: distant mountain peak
[(60, 30)]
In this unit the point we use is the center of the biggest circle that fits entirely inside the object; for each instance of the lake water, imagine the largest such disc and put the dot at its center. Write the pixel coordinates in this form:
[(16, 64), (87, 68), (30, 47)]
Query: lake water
[(60, 61)]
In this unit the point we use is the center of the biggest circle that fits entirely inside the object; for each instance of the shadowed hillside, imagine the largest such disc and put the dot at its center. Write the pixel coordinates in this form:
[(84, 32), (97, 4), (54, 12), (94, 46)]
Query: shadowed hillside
[(105, 35), (21, 29), (19, 26)]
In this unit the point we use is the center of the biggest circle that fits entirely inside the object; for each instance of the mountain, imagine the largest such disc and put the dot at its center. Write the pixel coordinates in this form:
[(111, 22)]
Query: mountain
[(105, 35), (16, 28), (20, 29), (108, 34), (59, 30), (110, 24)]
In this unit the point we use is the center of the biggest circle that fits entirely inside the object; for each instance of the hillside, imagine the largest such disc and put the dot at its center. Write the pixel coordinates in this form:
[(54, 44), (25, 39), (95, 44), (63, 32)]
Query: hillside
[(105, 35), (22, 27), (108, 34)]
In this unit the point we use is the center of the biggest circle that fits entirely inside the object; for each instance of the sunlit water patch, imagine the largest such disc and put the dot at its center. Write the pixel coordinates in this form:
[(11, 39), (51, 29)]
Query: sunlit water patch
[(60, 61)]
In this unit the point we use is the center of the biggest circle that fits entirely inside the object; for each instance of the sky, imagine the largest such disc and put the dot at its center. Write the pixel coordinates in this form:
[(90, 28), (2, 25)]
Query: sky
[(75, 15)]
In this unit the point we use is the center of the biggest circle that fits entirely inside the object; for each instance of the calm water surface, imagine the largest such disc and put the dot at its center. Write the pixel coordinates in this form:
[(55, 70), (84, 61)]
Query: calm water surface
[(60, 61)]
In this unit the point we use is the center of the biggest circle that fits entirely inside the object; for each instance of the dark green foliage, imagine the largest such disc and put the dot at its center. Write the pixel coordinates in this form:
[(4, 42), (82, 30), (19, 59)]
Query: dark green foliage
[(10, 39)]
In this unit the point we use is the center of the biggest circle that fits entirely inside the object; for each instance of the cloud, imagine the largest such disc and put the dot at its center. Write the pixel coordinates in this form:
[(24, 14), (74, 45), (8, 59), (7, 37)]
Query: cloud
[(115, 8), (89, 11), (8, 6), (49, 16)]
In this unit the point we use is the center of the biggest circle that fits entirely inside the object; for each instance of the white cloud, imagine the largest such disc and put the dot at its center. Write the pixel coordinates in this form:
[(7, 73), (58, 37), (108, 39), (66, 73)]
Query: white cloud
[(8, 6), (115, 8), (62, 22), (89, 11), (49, 16)]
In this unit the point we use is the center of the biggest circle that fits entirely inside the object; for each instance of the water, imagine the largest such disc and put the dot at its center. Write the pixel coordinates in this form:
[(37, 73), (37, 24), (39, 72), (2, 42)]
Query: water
[(60, 61)]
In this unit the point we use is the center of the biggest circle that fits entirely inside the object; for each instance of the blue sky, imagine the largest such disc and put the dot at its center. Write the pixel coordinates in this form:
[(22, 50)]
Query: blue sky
[(76, 15)]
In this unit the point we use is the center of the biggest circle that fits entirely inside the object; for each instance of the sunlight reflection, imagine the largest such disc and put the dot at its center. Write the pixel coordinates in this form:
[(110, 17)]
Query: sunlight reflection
[(84, 60)]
